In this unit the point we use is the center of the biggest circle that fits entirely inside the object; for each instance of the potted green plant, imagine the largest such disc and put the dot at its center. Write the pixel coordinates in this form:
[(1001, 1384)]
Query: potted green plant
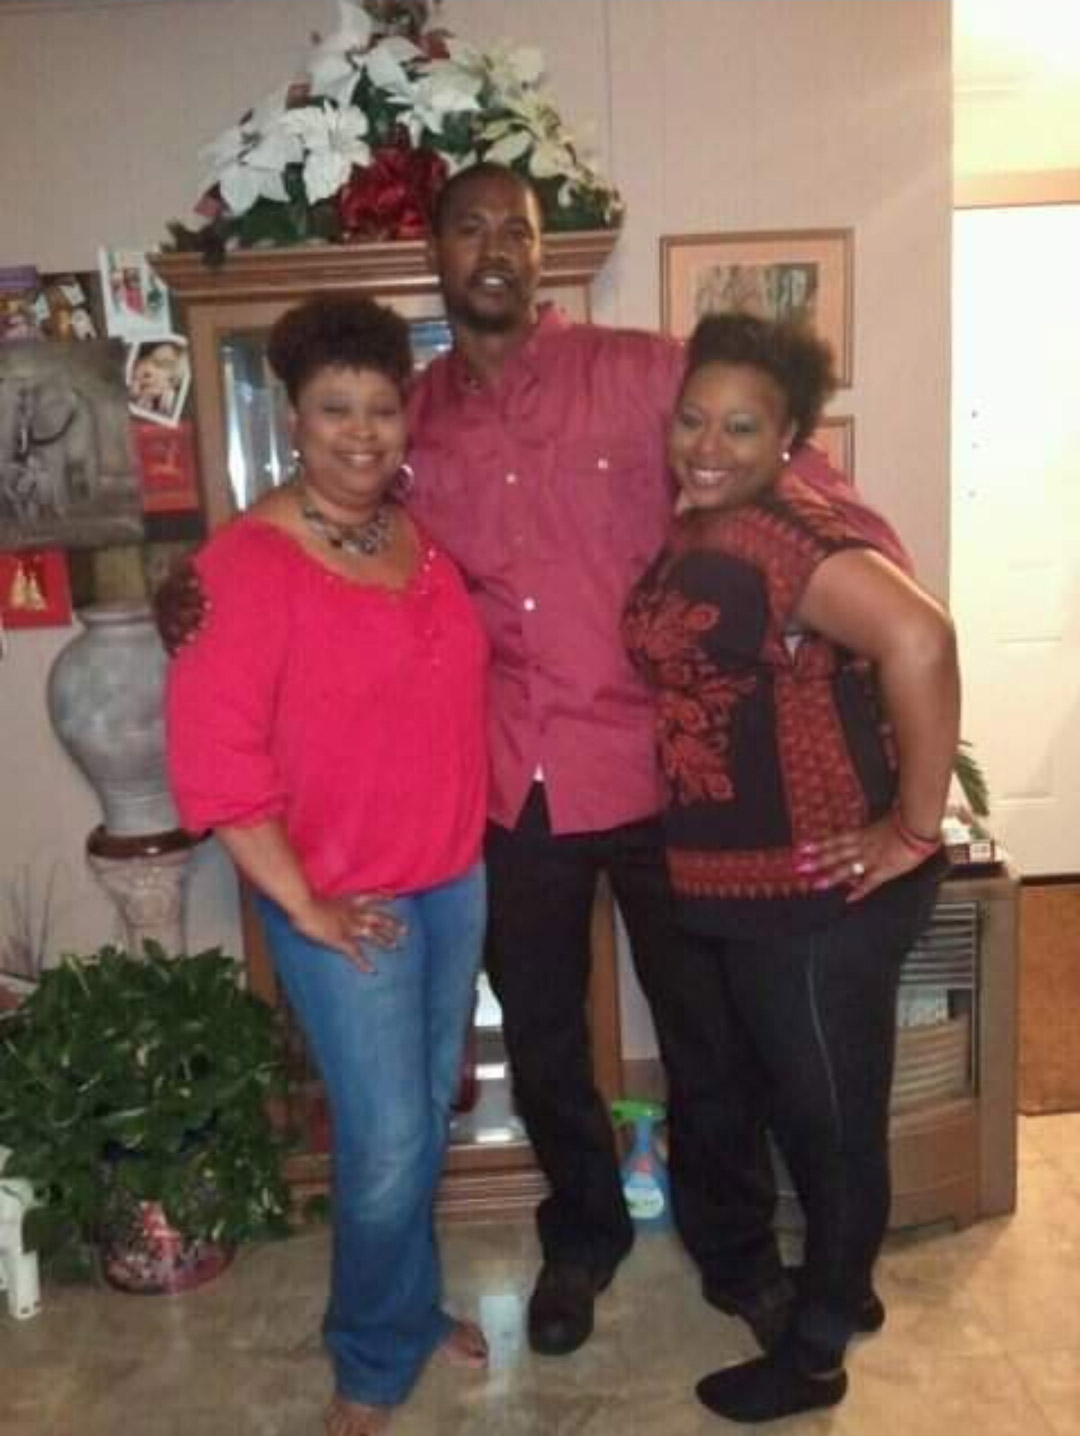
[(134, 1096)]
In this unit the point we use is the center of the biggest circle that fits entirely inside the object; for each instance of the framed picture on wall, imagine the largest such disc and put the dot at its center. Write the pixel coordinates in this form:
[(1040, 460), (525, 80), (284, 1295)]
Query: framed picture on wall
[(803, 274), (836, 439)]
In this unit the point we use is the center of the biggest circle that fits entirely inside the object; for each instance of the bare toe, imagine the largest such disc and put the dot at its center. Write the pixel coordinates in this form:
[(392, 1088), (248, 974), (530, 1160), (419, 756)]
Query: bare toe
[(465, 1345), (355, 1418)]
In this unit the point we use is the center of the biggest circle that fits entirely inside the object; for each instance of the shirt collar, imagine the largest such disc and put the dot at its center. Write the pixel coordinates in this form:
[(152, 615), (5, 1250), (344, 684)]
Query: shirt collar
[(549, 320)]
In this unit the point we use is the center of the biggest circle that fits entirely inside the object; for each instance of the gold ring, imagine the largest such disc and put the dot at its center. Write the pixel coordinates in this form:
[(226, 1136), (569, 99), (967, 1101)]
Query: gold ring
[(858, 869)]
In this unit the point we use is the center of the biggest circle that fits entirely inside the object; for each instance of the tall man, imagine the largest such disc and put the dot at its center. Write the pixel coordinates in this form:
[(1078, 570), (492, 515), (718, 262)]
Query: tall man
[(538, 449)]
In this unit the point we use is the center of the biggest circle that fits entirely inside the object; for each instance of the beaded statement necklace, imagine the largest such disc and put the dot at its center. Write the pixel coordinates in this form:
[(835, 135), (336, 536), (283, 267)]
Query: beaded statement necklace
[(367, 539)]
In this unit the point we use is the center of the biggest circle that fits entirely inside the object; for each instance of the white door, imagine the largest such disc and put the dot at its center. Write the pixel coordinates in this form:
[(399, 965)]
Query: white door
[(1015, 572)]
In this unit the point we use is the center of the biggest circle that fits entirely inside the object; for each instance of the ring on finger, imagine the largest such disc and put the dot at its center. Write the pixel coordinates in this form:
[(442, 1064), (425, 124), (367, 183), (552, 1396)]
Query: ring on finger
[(858, 869)]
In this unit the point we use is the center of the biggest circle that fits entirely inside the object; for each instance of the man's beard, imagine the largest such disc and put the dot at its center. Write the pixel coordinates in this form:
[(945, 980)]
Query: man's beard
[(482, 321)]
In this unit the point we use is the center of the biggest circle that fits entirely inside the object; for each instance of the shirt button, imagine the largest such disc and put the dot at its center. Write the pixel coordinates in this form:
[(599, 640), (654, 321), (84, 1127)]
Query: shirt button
[(528, 604), (603, 463), (511, 478)]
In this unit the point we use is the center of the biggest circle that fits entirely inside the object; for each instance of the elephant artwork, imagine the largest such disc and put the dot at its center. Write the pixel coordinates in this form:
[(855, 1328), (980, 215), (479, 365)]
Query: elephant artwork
[(66, 472), (48, 438)]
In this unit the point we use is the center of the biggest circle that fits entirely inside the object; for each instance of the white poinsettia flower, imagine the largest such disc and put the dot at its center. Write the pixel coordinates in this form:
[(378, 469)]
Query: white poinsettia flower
[(386, 69), (239, 138), (248, 161), (333, 141), (242, 185), (402, 50), (332, 68), (549, 160), (512, 72), (466, 56), (510, 148), (445, 90)]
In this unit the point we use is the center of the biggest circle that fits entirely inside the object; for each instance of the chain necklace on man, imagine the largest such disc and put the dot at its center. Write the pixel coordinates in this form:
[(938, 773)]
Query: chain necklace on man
[(367, 539)]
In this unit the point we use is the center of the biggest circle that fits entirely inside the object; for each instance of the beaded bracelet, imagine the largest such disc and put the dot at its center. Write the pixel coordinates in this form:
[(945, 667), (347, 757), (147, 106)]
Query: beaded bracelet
[(915, 841)]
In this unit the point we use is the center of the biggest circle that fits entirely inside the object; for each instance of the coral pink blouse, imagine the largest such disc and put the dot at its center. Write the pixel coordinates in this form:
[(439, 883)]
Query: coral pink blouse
[(353, 713)]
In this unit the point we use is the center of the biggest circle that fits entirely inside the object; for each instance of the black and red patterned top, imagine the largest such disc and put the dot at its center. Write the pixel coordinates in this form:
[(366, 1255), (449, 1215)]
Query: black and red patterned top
[(768, 737)]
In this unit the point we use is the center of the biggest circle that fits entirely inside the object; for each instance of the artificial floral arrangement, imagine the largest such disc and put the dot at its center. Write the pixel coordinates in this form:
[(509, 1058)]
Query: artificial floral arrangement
[(386, 109)]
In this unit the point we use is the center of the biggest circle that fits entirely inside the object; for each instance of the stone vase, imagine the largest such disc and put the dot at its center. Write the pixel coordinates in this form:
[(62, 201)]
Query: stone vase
[(105, 695)]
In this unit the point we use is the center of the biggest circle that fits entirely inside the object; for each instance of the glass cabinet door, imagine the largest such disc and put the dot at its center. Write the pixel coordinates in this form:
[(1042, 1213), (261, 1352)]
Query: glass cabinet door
[(258, 448)]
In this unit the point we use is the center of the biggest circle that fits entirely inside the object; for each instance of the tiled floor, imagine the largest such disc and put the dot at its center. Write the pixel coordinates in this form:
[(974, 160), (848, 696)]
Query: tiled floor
[(982, 1339)]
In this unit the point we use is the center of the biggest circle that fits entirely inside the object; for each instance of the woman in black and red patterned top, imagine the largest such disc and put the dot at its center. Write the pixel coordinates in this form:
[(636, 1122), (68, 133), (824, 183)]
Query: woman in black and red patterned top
[(808, 711)]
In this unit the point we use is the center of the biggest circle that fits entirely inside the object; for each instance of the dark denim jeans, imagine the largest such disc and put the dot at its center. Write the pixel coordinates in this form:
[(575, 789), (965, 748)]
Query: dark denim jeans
[(388, 1047), (541, 890)]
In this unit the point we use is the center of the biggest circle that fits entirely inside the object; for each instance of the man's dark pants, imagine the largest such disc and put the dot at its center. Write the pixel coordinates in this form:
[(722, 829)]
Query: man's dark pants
[(541, 891)]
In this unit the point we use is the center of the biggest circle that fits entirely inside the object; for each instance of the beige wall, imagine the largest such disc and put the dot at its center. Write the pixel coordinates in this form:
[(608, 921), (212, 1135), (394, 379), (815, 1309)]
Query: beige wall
[(711, 115)]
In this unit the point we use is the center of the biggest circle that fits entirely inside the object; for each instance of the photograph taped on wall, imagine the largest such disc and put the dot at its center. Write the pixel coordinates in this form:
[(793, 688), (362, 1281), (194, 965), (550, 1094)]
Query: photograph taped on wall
[(67, 476), (35, 591), (835, 437), (778, 274), (158, 378)]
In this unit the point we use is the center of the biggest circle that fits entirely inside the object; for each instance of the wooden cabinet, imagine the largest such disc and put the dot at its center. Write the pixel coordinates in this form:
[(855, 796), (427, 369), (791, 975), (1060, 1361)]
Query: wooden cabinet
[(243, 450)]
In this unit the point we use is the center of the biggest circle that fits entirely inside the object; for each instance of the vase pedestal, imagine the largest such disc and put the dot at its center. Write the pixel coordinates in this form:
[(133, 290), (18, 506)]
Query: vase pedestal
[(145, 876)]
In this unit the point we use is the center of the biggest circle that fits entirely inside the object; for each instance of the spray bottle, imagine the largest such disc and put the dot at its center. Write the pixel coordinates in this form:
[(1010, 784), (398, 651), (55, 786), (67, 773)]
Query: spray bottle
[(645, 1178)]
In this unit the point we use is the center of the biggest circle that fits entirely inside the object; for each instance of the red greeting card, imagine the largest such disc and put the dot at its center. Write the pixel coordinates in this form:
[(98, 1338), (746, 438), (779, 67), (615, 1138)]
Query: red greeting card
[(166, 460), (34, 589)]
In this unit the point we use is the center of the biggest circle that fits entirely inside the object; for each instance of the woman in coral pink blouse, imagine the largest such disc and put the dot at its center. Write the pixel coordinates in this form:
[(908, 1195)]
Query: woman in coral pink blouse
[(328, 723), (807, 722)]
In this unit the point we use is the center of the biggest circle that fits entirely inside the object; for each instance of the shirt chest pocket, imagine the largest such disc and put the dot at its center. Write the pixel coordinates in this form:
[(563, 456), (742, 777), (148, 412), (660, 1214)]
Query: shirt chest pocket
[(620, 488)]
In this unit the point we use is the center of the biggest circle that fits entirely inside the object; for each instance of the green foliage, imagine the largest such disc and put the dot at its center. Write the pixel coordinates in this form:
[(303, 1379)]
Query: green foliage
[(148, 1077), (972, 781)]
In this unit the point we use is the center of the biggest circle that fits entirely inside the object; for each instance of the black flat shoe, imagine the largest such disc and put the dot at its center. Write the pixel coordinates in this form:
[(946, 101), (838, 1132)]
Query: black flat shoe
[(561, 1306), (773, 1386)]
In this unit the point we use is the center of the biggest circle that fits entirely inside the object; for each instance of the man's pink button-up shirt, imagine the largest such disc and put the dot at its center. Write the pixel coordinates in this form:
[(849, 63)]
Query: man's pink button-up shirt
[(551, 491)]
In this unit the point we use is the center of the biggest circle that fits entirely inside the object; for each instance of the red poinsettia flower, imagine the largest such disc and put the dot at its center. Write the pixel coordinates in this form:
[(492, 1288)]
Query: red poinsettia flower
[(392, 197)]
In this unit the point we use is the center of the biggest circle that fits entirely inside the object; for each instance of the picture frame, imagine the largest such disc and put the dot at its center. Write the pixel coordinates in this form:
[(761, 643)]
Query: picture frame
[(35, 591), (835, 437), (67, 473), (778, 274)]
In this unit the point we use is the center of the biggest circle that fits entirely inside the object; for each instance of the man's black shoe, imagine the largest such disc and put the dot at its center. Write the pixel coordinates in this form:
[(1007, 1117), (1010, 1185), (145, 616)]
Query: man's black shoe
[(561, 1306)]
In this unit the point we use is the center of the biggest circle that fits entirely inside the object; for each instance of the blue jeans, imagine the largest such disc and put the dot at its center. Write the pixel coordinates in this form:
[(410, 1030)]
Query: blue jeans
[(388, 1047)]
